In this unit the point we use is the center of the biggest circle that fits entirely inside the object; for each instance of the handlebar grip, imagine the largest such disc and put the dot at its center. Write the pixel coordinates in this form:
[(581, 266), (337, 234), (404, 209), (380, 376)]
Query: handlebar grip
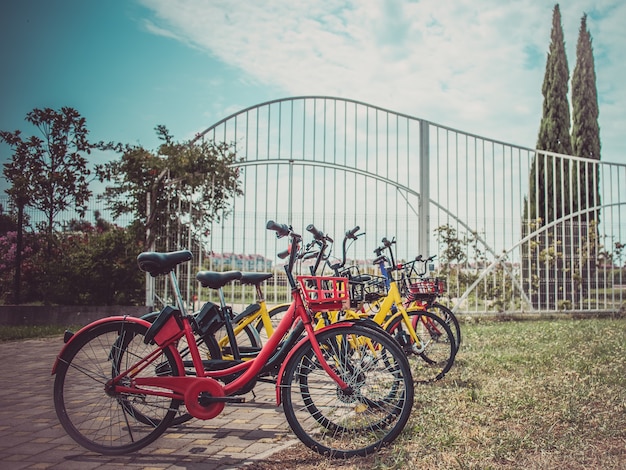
[(379, 259), (317, 234), (280, 229), (388, 243), (283, 254), (418, 258), (352, 233)]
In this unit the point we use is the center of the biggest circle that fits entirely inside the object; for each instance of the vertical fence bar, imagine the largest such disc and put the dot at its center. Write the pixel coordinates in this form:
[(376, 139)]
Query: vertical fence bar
[(424, 187)]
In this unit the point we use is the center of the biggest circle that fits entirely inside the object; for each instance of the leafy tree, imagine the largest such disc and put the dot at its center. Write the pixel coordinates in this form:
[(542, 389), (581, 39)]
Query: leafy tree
[(151, 185), (550, 185), (585, 128), (48, 173), (452, 248)]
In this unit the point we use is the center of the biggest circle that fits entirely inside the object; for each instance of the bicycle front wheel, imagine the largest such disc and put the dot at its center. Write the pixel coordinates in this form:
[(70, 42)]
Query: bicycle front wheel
[(355, 422), (98, 418)]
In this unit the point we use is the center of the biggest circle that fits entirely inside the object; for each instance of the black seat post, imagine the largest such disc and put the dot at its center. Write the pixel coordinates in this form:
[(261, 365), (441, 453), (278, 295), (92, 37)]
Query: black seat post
[(227, 319)]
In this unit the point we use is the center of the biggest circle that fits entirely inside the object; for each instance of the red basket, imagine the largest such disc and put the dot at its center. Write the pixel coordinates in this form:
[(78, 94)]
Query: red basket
[(429, 286), (324, 294)]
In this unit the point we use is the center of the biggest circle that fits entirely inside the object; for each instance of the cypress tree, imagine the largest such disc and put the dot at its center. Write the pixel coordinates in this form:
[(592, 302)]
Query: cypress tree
[(549, 186), (546, 201), (585, 128)]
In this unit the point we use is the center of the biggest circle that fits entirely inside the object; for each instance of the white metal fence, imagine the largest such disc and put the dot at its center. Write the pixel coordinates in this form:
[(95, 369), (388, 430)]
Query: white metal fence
[(338, 163), (504, 242)]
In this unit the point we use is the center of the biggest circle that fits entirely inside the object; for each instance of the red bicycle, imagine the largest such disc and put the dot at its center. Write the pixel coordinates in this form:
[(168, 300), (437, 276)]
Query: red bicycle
[(346, 389)]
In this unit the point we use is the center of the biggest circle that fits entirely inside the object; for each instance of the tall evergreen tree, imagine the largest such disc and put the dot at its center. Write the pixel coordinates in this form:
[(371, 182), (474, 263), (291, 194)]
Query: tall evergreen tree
[(547, 257), (585, 128), (546, 200)]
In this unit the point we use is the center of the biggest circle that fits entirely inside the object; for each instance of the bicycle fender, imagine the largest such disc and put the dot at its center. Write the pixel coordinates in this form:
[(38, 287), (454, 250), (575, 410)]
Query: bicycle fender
[(88, 328), (304, 341)]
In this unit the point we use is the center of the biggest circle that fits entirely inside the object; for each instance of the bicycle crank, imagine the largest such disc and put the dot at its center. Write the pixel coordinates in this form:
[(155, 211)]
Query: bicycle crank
[(205, 398)]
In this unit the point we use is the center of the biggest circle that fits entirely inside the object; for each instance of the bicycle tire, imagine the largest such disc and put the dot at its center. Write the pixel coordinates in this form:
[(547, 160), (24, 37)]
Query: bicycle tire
[(342, 425), (100, 421), (450, 318), (318, 414), (434, 359)]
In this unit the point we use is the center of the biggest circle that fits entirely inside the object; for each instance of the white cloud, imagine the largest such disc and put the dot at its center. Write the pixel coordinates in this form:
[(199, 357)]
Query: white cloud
[(475, 66)]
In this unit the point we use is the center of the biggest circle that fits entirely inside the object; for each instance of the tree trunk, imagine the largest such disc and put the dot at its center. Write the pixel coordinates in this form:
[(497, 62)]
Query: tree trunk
[(17, 279)]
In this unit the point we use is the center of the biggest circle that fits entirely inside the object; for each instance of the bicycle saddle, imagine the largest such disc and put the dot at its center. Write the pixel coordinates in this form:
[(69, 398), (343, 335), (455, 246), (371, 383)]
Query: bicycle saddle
[(215, 280), (157, 263), (254, 278)]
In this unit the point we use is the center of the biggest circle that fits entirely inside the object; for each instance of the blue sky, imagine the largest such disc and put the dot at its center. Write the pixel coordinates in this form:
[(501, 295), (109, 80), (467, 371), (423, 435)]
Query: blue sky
[(129, 65)]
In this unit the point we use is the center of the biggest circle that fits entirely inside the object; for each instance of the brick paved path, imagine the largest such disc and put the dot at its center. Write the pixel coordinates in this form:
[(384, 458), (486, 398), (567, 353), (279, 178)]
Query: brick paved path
[(31, 436)]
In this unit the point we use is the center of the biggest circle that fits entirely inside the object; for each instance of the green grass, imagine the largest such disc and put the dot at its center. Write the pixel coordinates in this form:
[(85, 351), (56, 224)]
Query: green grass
[(535, 394), (10, 333)]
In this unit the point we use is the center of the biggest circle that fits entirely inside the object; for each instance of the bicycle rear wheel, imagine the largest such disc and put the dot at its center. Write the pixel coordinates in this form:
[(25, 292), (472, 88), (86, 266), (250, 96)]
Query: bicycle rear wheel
[(350, 423), (450, 318), (434, 356), (97, 418)]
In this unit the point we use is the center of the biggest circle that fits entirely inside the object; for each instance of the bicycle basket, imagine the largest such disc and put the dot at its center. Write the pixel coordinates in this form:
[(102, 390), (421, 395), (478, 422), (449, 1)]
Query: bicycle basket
[(427, 287), (357, 285), (357, 293), (322, 294)]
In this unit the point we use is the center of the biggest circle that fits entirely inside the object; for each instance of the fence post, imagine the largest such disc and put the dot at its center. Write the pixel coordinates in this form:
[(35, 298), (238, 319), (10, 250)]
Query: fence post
[(424, 190)]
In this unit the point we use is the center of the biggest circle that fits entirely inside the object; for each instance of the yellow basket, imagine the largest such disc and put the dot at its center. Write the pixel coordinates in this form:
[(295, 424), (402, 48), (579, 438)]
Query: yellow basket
[(323, 294)]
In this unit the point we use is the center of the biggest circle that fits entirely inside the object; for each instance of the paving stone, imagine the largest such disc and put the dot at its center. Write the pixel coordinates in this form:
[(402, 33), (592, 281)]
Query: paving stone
[(31, 436)]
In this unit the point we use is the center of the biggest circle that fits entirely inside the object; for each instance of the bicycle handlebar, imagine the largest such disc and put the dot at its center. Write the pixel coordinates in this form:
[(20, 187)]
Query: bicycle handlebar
[(388, 243), (281, 230), (410, 266), (351, 234)]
